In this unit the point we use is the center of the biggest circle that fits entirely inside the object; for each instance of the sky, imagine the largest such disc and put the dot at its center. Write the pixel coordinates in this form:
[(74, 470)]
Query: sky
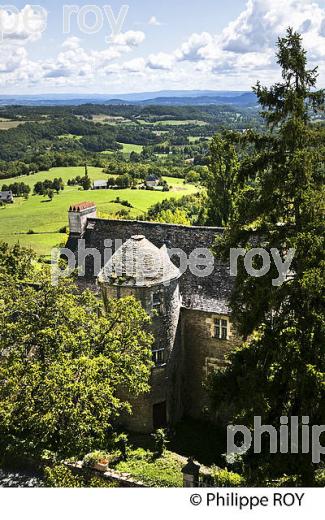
[(112, 47)]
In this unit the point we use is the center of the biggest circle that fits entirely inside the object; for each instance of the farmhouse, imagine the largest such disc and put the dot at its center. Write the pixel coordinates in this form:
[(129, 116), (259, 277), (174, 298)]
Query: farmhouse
[(6, 196), (100, 185), (190, 313), (151, 181)]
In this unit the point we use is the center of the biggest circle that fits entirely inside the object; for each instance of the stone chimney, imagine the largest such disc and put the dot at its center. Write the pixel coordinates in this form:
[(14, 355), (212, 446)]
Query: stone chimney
[(79, 215)]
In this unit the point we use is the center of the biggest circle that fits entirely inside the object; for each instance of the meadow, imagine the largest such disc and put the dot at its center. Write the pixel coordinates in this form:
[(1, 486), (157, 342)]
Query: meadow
[(36, 222)]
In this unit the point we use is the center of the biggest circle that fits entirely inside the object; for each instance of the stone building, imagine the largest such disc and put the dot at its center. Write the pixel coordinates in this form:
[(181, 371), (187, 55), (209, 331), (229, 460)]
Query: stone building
[(189, 306)]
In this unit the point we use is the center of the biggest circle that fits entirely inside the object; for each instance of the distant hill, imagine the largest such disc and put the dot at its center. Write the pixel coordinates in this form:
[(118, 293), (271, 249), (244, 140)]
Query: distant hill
[(180, 98)]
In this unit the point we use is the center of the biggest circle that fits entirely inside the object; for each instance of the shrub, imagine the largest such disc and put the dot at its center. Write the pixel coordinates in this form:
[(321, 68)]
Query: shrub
[(160, 440), (61, 477), (95, 457), (63, 229), (320, 478), (225, 478), (121, 442)]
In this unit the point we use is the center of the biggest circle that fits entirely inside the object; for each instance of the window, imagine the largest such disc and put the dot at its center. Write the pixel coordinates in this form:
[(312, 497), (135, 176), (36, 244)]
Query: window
[(158, 357), (221, 329), (156, 302)]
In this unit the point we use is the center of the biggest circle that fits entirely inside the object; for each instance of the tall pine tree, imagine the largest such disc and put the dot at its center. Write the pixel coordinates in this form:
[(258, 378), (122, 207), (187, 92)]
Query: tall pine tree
[(279, 203)]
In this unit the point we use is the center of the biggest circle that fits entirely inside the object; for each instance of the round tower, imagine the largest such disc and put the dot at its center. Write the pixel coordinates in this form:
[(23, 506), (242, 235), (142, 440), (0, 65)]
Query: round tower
[(140, 269)]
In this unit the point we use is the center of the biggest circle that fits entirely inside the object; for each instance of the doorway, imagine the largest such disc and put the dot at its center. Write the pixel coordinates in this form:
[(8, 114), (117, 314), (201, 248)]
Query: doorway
[(159, 415)]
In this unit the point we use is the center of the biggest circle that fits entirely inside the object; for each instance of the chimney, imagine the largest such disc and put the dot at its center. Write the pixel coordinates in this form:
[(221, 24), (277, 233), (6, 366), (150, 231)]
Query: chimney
[(79, 215)]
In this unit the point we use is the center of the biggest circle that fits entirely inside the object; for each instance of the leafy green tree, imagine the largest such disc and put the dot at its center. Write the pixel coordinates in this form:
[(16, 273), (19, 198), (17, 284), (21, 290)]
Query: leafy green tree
[(280, 369), (85, 182), (16, 262), (220, 180), (178, 216), (63, 361)]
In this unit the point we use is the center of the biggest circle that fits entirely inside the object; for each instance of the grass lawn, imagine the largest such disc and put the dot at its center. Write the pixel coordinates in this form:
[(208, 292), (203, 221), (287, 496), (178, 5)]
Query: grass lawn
[(46, 218)]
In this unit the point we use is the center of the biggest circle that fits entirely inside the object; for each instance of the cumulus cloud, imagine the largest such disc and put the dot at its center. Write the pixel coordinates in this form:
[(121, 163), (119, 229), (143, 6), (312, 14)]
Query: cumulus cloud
[(11, 59), (129, 39), (247, 43), (161, 61), (23, 25), (234, 58), (191, 50)]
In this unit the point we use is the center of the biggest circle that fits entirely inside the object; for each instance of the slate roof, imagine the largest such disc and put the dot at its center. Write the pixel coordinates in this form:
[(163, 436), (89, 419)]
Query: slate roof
[(139, 263), (208, 294)]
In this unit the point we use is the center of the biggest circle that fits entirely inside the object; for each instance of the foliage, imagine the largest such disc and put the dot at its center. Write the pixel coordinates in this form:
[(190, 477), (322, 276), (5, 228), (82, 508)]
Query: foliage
[(189, 209), (221, 179), (225, 478), (16, 262), (95, 457), (179, 216), (62, 362), (160, 441), (60, 476), (280, 369), (122, 444), (19, 189), (155, 472)]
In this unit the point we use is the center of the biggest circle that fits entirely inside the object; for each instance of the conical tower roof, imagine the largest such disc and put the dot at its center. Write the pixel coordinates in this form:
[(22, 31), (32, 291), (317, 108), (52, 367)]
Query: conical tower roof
[(139, 263)]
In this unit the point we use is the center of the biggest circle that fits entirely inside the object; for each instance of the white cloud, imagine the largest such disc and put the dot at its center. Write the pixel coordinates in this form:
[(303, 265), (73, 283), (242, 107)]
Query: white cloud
[(11, 59), (23, 25), (191, 50), (129, 39), (161, 61), (234, 58), (153, 21)]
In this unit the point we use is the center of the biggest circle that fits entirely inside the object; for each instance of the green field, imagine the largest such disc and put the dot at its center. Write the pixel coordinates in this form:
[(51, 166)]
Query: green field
[(173, 122), (46, 218), (128, 148)]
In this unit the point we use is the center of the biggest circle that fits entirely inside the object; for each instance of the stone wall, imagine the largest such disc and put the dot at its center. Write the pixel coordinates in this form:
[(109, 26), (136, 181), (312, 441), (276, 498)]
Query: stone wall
[(165, 380), (202, 354)]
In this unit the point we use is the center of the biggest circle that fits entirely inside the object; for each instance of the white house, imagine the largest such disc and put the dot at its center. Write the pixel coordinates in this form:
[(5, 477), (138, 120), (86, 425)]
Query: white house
[(100, 185), (6, 196)]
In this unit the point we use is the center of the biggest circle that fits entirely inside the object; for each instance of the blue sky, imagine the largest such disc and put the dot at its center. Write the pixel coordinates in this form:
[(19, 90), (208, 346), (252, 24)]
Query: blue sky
[(206, 44)]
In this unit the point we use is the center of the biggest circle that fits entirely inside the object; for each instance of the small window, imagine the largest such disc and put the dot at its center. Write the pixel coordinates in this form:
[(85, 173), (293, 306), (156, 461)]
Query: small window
[(156, 302), (158, 357), (221, 329)]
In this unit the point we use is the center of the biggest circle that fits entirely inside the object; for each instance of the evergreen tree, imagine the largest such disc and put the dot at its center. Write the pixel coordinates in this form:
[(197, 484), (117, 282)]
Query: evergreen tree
[(280, 369), (220, 180)]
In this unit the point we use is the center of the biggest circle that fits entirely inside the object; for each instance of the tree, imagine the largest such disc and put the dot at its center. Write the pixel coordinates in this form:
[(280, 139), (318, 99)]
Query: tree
[(63, 361), (50, 194), (178, 216), (220, 180), (280, 369), (85, 182), (58, 185)]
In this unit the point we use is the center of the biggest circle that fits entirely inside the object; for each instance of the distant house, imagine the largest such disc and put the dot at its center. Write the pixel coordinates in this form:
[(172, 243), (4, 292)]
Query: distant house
[(6, 196), (100, 185), (151, 181)]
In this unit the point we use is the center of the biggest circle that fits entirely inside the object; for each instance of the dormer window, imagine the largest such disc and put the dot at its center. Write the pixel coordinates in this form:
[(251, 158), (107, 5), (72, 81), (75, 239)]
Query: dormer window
[(221, 329)]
